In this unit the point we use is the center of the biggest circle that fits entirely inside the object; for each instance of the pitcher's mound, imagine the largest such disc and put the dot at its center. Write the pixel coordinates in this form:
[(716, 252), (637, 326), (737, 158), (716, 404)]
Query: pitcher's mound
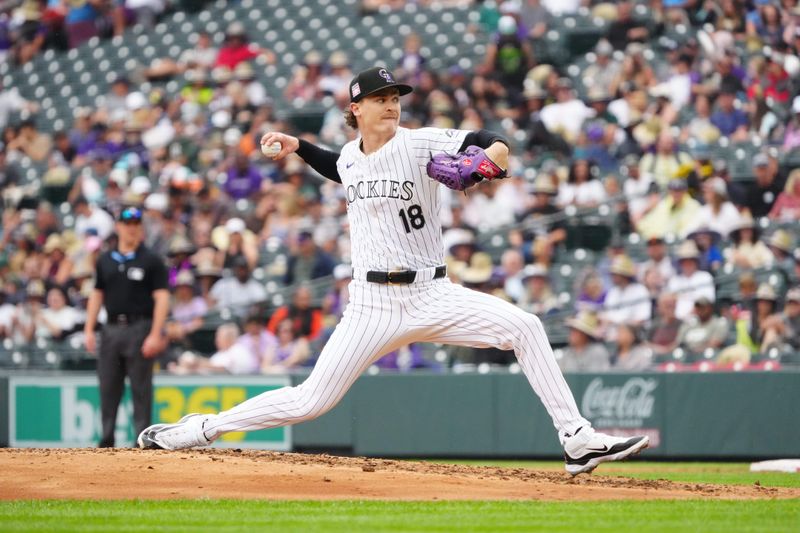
[(129, 473)]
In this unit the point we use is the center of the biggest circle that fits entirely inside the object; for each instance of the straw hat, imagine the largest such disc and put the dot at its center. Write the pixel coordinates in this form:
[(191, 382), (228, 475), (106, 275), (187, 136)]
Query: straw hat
[(475, 275), (781, 240), (53, 242), (539, 73), (222, 75), (533, 90), (544, 185), (534, 271), (236, 29), (793, 295), (83, 268), (766, 292), (184, 278), (687, 250), (244, 71), (745, 222), (35, 289), (598, 94), (715, 235), (338, 59), (585, 322), (459, 237), (207, 269), (479, 270), (181, 245), (221, 235), (623, 266)]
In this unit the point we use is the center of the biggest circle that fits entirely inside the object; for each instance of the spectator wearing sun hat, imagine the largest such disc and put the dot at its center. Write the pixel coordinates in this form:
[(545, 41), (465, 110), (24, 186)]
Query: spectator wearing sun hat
[(627, 301), (57, 264), (207, 274), (234, 239), (690, 283), (538, 296), (187, 309), (585, 352), (542, 219), (752, 327), (658, 261), (25, 319), (747, 250), (782, 246), (782, 330), (707, 241)]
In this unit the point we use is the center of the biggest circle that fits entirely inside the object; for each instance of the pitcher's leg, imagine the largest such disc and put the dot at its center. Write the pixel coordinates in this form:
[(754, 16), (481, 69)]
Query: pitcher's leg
[(357, 342), (469, 318)]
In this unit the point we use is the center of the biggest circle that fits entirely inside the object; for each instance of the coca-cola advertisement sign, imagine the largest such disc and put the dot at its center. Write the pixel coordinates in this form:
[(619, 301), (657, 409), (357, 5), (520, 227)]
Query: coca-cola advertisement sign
[(622, 406)]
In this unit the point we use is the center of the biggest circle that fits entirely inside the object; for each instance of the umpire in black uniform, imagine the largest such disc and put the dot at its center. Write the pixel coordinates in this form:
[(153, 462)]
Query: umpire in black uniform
[(132, 282)]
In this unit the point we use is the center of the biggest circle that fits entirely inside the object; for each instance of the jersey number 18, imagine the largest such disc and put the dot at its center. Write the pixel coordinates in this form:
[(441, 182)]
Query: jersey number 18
[(412, 218)]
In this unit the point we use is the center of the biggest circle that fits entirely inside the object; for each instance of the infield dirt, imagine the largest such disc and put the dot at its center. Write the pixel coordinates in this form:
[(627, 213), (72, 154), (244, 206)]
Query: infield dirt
[(216, 473)]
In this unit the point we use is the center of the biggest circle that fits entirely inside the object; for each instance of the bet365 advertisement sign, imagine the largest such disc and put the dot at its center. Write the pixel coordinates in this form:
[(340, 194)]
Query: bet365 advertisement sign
[(625, 405), (65, 411)]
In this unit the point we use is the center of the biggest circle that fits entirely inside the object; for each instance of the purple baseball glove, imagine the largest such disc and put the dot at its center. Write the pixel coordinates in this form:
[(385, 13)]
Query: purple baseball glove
[(463, 170)]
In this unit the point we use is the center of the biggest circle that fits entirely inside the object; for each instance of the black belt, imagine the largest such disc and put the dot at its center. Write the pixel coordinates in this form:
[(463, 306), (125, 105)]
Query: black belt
[(403, 277), (125, 319)]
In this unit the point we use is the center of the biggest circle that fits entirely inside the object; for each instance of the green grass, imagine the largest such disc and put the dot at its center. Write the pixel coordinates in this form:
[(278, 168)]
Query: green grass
[(772, 516), (718, 473)]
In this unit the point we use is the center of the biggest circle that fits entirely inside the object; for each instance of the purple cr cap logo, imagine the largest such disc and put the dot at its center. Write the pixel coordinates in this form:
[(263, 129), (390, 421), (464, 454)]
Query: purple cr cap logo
[(383, 73)]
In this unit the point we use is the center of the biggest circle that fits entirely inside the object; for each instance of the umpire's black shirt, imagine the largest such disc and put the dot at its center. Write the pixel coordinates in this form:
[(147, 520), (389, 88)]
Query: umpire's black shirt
[(128, 281)]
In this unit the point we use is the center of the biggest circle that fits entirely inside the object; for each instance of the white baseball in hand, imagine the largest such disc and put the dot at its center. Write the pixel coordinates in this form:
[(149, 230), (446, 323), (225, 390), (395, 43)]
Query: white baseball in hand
[(271, 150)]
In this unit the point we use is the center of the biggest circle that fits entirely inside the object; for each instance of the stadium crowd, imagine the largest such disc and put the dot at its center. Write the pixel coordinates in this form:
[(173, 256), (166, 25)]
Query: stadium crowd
[(626, 218)]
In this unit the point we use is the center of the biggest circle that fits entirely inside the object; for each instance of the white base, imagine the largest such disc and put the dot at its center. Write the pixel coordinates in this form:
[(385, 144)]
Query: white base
[(791, 466)]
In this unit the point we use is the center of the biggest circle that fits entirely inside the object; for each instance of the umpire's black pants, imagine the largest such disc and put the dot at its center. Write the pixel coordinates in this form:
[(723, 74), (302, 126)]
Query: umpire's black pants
[(121, 355)]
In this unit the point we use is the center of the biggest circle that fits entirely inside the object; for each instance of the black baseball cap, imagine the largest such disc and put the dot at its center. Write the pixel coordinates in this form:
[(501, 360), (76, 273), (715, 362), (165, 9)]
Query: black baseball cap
[(373, 80)]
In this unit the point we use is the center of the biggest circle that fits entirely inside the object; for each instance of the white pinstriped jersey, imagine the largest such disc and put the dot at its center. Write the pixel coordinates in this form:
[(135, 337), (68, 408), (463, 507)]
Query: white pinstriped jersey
[(392, 204)]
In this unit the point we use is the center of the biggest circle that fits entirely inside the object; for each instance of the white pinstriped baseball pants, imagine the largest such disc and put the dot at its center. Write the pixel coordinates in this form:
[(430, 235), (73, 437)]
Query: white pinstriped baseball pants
[(383, 318)]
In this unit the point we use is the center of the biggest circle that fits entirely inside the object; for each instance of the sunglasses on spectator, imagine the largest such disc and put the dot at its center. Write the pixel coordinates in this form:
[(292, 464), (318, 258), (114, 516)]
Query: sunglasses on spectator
[(131, 215)]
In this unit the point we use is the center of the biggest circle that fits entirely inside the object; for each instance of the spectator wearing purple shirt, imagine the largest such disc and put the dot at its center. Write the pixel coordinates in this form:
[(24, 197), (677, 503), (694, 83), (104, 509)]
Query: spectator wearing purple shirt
[(729, 120), (256, 339), (244, 179), (403, 359), (5, 36), (188, 309)]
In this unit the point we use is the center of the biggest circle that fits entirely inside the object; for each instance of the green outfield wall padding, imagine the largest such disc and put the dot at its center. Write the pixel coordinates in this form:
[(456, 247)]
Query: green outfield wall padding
[(723, 415)]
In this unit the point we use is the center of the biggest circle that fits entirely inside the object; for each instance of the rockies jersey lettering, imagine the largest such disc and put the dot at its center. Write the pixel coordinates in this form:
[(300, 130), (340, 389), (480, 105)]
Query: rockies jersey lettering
[(392, 204), (380, 189)]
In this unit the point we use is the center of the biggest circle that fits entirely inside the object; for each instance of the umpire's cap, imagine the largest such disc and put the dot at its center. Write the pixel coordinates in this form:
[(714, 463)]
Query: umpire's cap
[(373, 80)]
